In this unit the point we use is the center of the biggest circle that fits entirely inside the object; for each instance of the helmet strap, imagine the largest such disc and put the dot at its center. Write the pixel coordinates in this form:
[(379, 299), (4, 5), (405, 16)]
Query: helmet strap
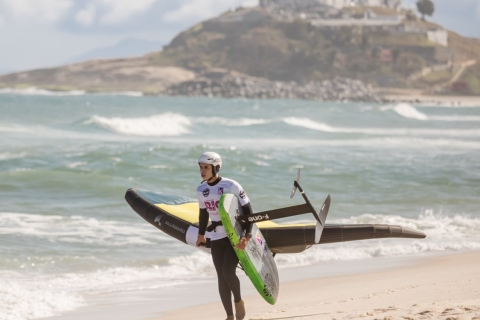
[(214, 175)]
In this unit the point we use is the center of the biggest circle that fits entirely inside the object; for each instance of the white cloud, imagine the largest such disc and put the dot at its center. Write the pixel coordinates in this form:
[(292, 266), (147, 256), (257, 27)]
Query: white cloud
[(194, 10), (250, 3), (121, 10), (49, 11), (86, 16)]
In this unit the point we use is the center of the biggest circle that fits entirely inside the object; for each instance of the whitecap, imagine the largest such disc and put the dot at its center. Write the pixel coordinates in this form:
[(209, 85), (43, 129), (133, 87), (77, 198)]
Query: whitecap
[(33, 91), (76, 164), (408, 111), (319, 126), (459, 232), (78, 229), (309, 124), (240, 122), (45, 295), (166, 124), (11, 155)]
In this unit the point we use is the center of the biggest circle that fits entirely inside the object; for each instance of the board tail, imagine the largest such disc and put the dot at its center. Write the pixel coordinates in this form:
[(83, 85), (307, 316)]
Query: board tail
[(297, 179)]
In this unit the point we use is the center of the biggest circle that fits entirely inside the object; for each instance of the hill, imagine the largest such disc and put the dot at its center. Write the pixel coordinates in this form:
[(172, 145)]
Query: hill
[(375, 45), (129, 47)]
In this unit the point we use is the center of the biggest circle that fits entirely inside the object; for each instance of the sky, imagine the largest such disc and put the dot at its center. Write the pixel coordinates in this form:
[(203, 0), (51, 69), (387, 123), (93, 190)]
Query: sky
[(46, 33)]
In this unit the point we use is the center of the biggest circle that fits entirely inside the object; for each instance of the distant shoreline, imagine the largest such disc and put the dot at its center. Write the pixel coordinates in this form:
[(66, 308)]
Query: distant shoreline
[(391, 96), (439, 100)]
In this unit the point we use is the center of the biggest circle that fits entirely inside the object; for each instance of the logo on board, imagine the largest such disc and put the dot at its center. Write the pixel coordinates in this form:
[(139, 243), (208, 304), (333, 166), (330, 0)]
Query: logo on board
[(174, 226)]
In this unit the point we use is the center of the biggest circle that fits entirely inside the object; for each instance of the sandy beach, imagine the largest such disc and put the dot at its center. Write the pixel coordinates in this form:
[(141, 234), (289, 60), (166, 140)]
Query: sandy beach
[(440, 287)]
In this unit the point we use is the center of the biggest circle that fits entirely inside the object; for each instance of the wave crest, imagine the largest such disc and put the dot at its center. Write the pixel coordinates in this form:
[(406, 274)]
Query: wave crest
[(309, 124), (241, 122), (407, 111), (166, 124), (33, 91)]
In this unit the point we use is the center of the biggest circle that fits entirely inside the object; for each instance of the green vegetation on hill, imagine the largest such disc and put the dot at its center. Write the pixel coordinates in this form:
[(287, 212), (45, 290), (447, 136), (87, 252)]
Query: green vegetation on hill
[(471, 77)]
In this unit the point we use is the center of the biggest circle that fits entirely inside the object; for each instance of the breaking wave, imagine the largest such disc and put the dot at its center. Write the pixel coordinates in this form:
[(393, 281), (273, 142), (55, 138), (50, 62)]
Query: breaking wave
[(166, 124), (33, 91), (410, 112), (310, 124), (444, 233), (48, 295), (242, 122), (407, 111), (319, 126)]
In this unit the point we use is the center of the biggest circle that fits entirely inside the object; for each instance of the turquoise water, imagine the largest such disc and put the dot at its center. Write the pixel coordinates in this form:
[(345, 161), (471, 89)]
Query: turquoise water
[(66, 161)]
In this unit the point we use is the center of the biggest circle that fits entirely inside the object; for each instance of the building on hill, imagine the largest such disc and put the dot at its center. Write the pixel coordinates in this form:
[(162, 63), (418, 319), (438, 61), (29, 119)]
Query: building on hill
[(386, 10), (338, 4)]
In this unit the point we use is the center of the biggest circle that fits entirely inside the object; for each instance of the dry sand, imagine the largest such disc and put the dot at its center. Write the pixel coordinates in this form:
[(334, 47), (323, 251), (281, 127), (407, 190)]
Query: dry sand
[(441, 287)]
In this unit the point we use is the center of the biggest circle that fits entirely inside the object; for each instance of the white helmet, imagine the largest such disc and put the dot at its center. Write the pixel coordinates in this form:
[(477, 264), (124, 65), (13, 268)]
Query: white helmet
[(212, 158)]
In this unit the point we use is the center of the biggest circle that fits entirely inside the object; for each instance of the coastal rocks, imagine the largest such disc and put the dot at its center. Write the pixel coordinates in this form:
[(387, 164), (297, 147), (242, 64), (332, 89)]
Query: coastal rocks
[(231, 84)]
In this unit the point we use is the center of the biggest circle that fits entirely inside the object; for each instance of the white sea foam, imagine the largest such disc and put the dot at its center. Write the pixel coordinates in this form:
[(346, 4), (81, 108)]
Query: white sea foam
[(310, 124), (76, 164), (35, 296), (404, 143), (33, 91), (166, 124), (407, 111), (12, 155), (16, 129), (456, 118), (241, 122), (158, 166), (444, 233), (78, 229), (24, 296), (119, 93), (319, 126)]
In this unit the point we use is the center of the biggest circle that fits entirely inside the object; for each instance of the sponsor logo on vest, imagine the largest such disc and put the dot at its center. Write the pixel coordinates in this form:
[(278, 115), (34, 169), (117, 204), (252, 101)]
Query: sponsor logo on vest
[(206, 192), (171, 225), (220, 190)]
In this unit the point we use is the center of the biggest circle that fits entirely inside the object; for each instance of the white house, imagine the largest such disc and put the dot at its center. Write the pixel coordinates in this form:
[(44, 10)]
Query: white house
[(439, 36)]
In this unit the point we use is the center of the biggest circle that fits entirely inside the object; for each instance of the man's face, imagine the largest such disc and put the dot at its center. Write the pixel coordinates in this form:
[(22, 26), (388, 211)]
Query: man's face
[(206, 171)]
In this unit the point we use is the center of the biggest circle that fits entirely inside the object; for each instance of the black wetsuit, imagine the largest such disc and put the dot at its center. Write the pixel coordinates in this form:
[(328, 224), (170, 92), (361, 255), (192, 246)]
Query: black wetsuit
[(224, 258)]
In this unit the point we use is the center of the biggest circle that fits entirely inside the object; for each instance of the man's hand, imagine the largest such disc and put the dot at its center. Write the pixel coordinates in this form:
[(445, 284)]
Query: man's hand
[(201, 241), (243, 242)]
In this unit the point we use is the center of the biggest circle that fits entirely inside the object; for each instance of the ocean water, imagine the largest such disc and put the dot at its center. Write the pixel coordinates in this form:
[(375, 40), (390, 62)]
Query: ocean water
[(67, 159)]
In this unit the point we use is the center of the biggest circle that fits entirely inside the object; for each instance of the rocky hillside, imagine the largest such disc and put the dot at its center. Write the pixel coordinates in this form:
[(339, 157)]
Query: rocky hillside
[(257, 45)]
